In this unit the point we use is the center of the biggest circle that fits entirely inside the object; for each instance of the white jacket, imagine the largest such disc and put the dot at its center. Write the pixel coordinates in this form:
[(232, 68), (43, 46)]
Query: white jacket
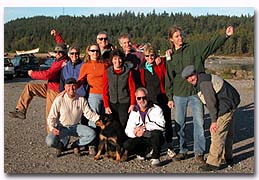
[(154, 120)]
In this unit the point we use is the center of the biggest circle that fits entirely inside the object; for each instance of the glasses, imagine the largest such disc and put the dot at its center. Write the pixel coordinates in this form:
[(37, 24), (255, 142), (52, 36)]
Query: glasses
[(143, 98), (103, 39), (150, 55), (58, 51), (76, 53), (94, 50)]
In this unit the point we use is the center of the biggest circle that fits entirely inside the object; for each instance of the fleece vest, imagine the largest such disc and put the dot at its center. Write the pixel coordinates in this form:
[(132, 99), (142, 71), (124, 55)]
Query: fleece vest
[(118, 85), (217, 83)]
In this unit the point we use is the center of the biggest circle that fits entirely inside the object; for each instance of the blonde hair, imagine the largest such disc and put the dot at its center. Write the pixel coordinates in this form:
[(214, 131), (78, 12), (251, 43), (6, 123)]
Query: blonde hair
[(149, 49), (87, 56)]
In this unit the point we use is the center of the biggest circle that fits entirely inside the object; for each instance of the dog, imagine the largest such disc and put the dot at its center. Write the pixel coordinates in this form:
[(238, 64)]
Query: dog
[(110, 138)]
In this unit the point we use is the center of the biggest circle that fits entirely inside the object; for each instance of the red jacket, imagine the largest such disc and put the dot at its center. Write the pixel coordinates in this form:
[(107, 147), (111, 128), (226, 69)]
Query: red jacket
[(160, 70), (52, 74)]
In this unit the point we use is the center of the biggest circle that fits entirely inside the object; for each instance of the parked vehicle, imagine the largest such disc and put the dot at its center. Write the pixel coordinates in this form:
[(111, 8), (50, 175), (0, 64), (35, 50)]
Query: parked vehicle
[(48, 62), (23, 63), (8, 68)]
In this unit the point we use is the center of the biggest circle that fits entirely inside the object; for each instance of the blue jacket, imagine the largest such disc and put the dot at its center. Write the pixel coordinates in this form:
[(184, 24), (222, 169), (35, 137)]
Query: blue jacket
[(73, 70)]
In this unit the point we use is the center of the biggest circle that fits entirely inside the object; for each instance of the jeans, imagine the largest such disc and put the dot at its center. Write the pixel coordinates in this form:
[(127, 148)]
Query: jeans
[(198, 122), (95, 102), (86, 135)]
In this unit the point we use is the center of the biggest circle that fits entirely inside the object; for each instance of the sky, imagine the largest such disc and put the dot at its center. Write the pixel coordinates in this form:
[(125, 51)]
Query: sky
[(12, 13), (13, 9)]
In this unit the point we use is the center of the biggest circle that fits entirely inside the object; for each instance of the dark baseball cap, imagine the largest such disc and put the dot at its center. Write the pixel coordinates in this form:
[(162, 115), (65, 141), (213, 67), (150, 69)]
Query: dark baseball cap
[(71, 81)]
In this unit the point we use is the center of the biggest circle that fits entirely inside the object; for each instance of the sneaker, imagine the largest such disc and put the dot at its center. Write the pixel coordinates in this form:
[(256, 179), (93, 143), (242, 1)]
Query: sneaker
[(180, 156), (171, 153), (17, 114), (140, 157), (208, 167), (92, 151), (199, 159), (155, 162), (149, 155)]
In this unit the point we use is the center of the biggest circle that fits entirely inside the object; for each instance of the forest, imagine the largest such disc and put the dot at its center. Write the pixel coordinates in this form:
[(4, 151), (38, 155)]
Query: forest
[(30, 33)]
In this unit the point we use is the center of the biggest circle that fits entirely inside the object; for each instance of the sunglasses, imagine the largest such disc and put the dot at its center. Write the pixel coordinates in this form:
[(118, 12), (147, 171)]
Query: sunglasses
[(76, 53), (58, 51), (143, 98), (103, 39), (94, 50), (150, 55)]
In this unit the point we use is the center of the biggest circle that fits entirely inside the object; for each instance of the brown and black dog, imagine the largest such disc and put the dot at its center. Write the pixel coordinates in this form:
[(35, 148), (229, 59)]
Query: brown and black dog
[(110, 138)]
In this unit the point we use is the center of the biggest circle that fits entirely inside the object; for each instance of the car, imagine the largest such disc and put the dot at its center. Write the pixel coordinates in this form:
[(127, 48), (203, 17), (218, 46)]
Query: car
[(48, 62), (8, 68), (24, 62)]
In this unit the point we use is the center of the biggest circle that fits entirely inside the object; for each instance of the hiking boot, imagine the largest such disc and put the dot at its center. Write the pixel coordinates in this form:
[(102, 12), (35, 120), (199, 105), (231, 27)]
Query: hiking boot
[(75, 148), (58, 152), (199, 159), (208, 167), (171, 153), (155, 162), (17, 114), (180, 156), (92, 151)]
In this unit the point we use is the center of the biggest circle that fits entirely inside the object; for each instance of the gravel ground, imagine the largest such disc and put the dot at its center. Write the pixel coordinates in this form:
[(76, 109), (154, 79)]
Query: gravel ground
[(25, 151)]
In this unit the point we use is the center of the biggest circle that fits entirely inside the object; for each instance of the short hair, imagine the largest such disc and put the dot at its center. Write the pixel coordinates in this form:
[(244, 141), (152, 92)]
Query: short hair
[(102, 32), (148, 48), (117, 52), (124, 35), (143, 90), (74, 47)]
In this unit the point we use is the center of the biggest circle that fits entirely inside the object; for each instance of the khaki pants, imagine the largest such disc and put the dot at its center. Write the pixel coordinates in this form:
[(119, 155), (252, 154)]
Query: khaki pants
[(222, 140), (30, 90)]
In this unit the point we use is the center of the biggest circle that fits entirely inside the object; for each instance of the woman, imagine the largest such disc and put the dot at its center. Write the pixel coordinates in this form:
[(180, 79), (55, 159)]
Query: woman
[(152, 75), (119, 88), (180, 93), (91, 72)]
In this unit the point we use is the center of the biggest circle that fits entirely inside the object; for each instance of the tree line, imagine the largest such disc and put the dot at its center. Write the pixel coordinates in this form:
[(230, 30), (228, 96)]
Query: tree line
[(29, 33)]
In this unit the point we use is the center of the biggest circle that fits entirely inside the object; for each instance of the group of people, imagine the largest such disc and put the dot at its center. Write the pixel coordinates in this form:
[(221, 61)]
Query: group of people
[(139, 89)]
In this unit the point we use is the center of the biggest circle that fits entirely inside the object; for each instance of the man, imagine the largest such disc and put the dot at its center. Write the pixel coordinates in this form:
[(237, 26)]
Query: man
[(64, 120), (144, 128), (105, 47), (221, 99), (135, 57), (47, 90)]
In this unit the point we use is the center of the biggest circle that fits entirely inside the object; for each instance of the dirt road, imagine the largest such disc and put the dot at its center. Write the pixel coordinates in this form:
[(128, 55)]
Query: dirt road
[(26, 152)]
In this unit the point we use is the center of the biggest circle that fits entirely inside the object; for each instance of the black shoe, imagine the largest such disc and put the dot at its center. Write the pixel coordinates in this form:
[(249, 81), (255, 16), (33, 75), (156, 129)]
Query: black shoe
[(180, 156), (208, 167), (17, 114), (125, 156), (199, 159), (230, 162)]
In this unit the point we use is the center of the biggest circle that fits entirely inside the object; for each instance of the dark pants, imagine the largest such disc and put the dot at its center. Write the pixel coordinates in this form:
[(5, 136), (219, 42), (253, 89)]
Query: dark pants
[(143, 145)]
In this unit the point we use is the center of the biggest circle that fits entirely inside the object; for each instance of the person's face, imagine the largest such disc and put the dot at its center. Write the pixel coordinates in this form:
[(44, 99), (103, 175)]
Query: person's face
[(71, 90), (117, 62), (94, 52), (102, 40), (150, 58), (126, 45), (177, 39), (74, 55), (59, 54), (192, 79), (141, 99)]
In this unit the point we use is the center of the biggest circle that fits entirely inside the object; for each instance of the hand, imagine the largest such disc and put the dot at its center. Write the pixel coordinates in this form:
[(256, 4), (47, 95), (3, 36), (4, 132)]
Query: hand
[(213, 127), (229, 31), (53, 32), (139, 131), (158, 60), (55, 131), (170, 104), (30, 72), (108, 110), (130, 108), (63, 64)]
